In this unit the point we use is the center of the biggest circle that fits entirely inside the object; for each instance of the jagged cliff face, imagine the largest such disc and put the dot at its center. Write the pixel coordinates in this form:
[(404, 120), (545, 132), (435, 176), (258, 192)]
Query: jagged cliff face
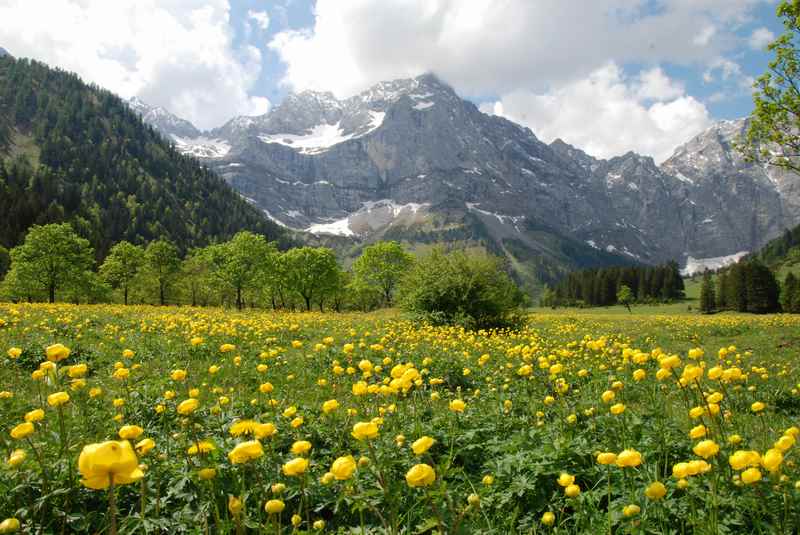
[(411, 159)]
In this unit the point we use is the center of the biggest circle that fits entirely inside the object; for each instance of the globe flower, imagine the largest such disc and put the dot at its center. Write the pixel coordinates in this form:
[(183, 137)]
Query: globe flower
[(235, 505), (420, 475), (548, 518), (204, 446), (188, 406), (264, 430), (77, 371), (130, 432), (751, 475), (457, 405), (318, 525), (295, 467), (16, 458), (631, 510), (572, 491), (14, 352), (330, 406), (274, 507), (565, 479), (629, 458), (246, 451), (144, 446), (742, 459), (58, 399), (365, 430), (108, 462), (655, 490), (606, 458), (9, 525), (757, 406), (617, 408), (207, 474), (422, 444), (706, 449), (227, 348), (266, 388), (343, 468), (301, 447), (178, 375), (34, 416), (56, 352), (242, 427), (22, 430), (772, 460)]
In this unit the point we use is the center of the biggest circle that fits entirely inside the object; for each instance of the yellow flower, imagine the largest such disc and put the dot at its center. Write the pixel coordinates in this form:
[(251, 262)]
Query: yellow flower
[(572, 491), (343, 468), (34, 416), (757, 406), (246, 451), (617, 408), (14, 352), (227, 348), (274, 507), (121, 374), (772, 460), (22, 430), (629, 458), (57, 399), (301, 447), (204, 446), (127, 353), (608, 396), (751, 475), (457, 405), (548, 518), (187, 406), (9, 525), (420, 475), (631, 510), (318, 525), (639, 374), (606, 458), (178, 375), (102, 463), (422, 444), (706, 449), (295, 467), (365, 430), (207, 474), (196, 341), (235, 505), (130, 432), (95, 391), (56, 352), (655, 490), (264, 430), (488, 480), (77, 371), (265, 388), (698, 431), (144, 446), (742, 459), (330, 406), (16, 458), (565, 479)]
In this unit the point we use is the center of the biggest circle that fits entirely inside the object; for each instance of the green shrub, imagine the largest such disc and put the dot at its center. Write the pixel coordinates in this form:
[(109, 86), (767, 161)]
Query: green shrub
[(468, 289)]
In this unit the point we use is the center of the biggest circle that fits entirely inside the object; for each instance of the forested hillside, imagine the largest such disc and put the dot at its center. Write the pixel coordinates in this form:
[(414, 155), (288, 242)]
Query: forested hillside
[(74, 152)]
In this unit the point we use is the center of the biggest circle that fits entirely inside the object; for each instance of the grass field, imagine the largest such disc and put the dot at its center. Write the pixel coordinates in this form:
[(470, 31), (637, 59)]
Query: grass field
[(211, 421)]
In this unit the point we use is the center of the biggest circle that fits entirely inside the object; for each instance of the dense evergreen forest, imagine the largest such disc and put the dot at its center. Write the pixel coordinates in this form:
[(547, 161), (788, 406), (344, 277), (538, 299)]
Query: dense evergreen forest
[(72, 152), (601, 287)]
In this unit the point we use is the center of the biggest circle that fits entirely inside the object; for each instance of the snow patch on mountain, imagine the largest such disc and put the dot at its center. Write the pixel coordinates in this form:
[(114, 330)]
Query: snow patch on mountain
[(424, 105), (340, 227), (322, 136), (699, 265), (202, 147)]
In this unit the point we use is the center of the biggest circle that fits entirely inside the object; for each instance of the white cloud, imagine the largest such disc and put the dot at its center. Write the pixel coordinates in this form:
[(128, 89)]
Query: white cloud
[(607, 115), (178, 54), (484, 47), (260, 18), (760, 38)]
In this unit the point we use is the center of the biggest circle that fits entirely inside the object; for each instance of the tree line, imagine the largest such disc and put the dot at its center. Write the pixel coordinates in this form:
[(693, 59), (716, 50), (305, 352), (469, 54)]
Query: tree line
[(749, 286), (55, 263), (613, 285)]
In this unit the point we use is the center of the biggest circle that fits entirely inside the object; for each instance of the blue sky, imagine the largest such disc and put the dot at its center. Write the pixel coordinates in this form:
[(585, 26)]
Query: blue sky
[(613, 76)]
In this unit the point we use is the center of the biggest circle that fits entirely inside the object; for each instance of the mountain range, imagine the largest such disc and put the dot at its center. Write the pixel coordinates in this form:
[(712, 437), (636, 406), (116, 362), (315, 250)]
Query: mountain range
[(411, 160)]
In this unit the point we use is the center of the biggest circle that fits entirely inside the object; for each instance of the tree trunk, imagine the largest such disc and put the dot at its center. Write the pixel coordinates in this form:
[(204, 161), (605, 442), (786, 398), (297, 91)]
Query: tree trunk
[(308, 303), (238, 299), (126, 295), (52, 293), (161, 293)]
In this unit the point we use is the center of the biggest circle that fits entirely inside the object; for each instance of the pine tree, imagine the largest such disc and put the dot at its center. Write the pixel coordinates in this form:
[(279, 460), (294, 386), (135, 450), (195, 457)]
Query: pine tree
[(707, 297), (789, 293), (762, 288)]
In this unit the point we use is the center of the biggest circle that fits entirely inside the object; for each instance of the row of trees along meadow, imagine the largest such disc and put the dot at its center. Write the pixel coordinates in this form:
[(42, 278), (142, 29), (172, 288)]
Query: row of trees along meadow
[(472, 289), (55, 263), (616, 285), (749, 286)]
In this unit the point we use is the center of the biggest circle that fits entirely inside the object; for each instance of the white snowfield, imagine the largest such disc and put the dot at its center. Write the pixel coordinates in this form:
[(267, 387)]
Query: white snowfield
[(699, 265), (202, 147), (372, 214), (322, 136)]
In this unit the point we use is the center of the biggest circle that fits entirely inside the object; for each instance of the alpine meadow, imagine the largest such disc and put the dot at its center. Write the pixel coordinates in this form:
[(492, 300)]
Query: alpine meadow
[(400, 268)]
